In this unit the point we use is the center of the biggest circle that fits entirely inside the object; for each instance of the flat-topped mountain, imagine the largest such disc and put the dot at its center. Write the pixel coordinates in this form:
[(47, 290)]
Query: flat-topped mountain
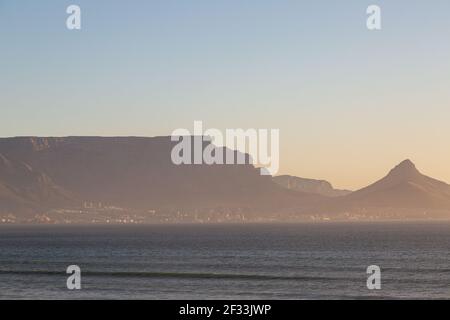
[(130, 172)]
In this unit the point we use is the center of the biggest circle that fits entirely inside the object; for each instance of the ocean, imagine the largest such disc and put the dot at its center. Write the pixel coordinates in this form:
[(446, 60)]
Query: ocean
[(245, 261)]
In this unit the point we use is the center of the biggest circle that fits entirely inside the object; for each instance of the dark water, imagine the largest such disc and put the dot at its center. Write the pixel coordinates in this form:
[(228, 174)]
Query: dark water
[(301, 261)]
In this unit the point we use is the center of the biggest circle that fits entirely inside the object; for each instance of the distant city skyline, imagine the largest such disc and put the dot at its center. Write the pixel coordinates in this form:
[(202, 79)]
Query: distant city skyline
[(349, 102)]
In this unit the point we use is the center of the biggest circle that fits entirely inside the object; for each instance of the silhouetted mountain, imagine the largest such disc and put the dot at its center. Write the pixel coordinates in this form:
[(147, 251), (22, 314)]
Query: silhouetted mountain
[(129, 172), (321, 187), (404, 187), (39, 174)]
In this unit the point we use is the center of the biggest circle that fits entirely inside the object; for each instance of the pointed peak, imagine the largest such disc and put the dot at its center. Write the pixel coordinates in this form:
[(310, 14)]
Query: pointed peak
[(405, 168), (406, 164)]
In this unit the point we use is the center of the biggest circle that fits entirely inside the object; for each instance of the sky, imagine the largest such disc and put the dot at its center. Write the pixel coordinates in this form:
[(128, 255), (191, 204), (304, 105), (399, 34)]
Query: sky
[(349, 103)]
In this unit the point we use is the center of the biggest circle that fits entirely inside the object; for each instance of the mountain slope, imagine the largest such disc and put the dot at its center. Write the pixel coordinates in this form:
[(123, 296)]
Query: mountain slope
[(22, 187)]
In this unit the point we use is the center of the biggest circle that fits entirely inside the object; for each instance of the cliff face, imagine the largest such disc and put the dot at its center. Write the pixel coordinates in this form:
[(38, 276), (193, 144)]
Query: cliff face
[(321, 187)]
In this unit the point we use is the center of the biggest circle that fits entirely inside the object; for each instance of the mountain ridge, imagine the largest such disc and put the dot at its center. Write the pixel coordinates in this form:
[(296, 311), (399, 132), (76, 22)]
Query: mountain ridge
[(39, 174), (315, 186)]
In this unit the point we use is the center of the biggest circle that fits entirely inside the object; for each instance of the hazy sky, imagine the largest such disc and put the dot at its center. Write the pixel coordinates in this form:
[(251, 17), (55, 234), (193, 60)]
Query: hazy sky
[(350, 103)]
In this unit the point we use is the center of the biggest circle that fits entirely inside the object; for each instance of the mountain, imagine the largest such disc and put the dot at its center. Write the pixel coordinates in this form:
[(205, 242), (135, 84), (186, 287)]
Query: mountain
[(403, 187), (321, 187), (128, 172)]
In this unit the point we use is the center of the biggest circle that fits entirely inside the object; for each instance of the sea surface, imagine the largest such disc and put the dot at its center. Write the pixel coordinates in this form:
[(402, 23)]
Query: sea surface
[(266, 261)]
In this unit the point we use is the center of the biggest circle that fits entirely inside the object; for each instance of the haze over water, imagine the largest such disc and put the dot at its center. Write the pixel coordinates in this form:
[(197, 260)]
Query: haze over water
[(270, 261)]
